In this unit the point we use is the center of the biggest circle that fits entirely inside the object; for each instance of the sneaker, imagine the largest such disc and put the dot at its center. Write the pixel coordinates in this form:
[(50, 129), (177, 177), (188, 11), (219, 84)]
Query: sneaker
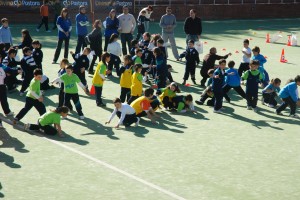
[(278, 113), (22, 94), (228, 100), (271, 105), (10, 114), (48, 31), (254, 110), (194, 82), (54, 62), (183, 83), (37, 30), (295, 116), (81, 117), (26, 127), (218, 111), (101, 105), (249, 108), (138, 122), (199, 102)]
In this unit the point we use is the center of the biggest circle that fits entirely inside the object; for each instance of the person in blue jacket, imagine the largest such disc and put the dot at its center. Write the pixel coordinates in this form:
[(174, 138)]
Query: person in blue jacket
[(262, 60), (81, 29), (112, 25), (161, 68), (233, 81), (290, 97), (64, 27)]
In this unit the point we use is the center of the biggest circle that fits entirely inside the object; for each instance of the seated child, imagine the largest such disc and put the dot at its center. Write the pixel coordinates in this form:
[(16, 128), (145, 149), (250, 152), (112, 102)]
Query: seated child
[(167, 94), (134, 46), (270, 92), (183, 103), (207, 93)]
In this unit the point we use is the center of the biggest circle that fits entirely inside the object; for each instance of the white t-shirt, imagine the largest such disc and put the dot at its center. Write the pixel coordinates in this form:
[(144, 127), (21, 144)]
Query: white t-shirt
[(245, 59), (127, 23), (125, 110), (2, 76), (114, 48), (148, 14)]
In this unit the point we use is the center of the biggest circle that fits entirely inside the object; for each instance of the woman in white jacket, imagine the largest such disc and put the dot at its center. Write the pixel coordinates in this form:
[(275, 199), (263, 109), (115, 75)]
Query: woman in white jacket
[(114, 48)]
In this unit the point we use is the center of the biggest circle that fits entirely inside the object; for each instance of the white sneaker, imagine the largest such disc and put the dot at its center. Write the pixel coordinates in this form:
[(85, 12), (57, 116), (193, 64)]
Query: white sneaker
[(254, 110), (249, 108), (26, 127), (271, 105), (10, 114), (81, 117), (22, 94), (295, 116), (218, 111), (37, 30), (138, 122)]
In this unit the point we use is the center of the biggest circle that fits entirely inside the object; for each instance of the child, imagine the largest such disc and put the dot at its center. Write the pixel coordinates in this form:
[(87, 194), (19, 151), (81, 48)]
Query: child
[(142, 106), (81, 64), (270, 92), (207, 93), (136, 83), (262, 61), (153, 42), (71, 90), (34, 97), (44, 11), (64, 63), (37, 54), (192, 59), (114, 48), (290, 97), (170, 77), (160, 45), (167, 94), (182, 103), (3, 53), (217, 85), (9, 61), (233, 81), (141, 24), (209, 63), (26, 40), (125, 80), (45, 84), (125, 112), (134, 46), (148, 59), (137, 59), (5, 34), (46, 121), (144, 43), (253, 77), (161, 68), (4, 71), (244, 66), (28, 65), (99, 77)]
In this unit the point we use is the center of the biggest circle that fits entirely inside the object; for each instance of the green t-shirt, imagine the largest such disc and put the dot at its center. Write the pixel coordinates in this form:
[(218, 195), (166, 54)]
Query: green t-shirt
[(34, 87), (138, 60), (70, 83), (49, 118)]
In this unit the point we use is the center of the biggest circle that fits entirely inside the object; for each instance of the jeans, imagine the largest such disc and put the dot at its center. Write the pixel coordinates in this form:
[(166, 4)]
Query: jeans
[(218, 99), (251, 98), (238, 89), (98, 92), (115, 61), (170, 36), (126, 38), (191, 37), (58, 48), (80, 44), (129, 119)]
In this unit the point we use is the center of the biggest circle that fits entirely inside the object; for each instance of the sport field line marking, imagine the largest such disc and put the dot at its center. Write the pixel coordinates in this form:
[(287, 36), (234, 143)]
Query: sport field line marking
[(113, 168)]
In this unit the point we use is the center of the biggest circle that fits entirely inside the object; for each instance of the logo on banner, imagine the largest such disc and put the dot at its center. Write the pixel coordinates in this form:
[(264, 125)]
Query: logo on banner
[(19, 3), (74, 3), (113, 3)]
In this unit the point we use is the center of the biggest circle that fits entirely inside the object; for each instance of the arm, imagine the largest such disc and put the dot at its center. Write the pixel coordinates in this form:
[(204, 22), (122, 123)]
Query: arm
[(59, 28), (113, 114), (82, 86), (293, 92), (59, 131), (57, 80), (133, 23), (245, 75), (84, 23), (185, 26), (161, 23)]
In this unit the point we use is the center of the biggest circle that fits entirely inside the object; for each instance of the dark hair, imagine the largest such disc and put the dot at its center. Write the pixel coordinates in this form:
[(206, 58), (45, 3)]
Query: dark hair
[(246, 41), (96, 24), (167, 8), (27, 35), (143, 11), (37, 72), (104, 56), (138, 50), (111, 11), (2, 46), (176, 87), (117, 100), (112, 38), (64, 10), (254, 62), (46, 1), (191, 41), (134, 42), (88, 49), (148, 92), (194, 10), (157, 51), (4, 20), (70, 67), (290, 80), (137, 66), (62, 109), (80, 8), (37, 42), (169, 66), (256, 49), (160, 41), (297, 78), (222, 61), (128, 57), (147, 34), (26, 49), (189, 97), (11, 50), (231, 64), (150, 8), (275, 81), (211, 71), (65, 60)]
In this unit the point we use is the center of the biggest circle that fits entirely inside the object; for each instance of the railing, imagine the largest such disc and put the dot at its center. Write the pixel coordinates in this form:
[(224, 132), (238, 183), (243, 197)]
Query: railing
[(212, 2)]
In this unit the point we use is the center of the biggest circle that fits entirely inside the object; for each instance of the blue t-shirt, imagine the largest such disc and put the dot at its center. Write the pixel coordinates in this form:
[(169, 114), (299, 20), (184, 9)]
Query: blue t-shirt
[(81, 30), (65, 24), (111, 26), (260, 58), (233, 80), (270, 87), (290, 90)]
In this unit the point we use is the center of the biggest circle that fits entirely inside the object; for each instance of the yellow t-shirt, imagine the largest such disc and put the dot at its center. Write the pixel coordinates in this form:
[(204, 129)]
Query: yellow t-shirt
[(136, 84), (125, 80), (140, 104), (97, 79)]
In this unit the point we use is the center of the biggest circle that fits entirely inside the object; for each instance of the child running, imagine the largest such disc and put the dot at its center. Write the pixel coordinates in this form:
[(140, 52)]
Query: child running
[(49, 123), (126, 114), (270, 92)]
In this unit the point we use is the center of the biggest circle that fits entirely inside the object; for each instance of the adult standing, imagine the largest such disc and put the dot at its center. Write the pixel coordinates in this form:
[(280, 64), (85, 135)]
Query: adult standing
[(192, 27), (64, 27), (127, 26), (95, 43), (168, 24), (81, 28), (112, 25), (57, 9), (149, 11)]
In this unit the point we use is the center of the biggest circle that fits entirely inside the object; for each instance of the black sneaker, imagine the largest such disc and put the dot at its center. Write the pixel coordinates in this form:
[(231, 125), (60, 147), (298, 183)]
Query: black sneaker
[(101, 105), (194, 81), (199, 102), (184, 82)]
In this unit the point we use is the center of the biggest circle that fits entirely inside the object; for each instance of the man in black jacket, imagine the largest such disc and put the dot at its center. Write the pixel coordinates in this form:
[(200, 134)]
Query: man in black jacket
[(192, 27)]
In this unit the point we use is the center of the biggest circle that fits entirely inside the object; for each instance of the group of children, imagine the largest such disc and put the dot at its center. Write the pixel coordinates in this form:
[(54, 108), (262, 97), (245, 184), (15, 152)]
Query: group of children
[(147, 60)]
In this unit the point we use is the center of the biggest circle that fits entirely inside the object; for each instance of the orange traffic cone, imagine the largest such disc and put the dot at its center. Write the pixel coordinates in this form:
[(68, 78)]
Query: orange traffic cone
[(282, 57), (268, 38), (92, 91), (289, 43)]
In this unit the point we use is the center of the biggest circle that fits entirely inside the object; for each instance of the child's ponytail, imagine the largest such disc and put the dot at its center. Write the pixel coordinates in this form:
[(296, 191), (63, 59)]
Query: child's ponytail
[(275, 81), (63, 109)]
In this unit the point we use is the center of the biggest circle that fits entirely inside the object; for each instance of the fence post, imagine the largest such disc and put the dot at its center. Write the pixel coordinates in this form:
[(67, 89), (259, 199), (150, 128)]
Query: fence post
[(242, 2)]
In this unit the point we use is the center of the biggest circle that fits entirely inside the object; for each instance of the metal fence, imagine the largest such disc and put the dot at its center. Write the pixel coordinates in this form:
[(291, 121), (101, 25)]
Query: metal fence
[(212, 2)]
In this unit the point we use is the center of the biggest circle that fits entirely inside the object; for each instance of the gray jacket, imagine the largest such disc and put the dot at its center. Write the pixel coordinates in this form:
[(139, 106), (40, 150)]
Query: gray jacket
[(168, 23)]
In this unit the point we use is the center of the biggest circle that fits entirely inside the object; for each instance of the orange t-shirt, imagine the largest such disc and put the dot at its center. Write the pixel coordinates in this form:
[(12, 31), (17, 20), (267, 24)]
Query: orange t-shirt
[(44, 11)]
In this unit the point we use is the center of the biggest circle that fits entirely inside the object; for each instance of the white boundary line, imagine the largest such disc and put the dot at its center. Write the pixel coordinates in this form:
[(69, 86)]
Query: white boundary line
[(113, 168)]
